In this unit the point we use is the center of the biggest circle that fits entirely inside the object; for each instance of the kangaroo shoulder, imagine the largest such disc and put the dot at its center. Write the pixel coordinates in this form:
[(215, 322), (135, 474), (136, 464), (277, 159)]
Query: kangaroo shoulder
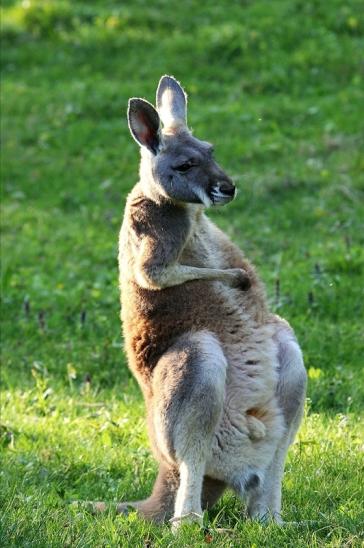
[(157, 220)]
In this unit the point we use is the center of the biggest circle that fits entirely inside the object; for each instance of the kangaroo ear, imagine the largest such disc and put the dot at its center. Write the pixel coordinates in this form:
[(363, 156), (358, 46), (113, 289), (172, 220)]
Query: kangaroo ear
[(144, 124), (171, 102)]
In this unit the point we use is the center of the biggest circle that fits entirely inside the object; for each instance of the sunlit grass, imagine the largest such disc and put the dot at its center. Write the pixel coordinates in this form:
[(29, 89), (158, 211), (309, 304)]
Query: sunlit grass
[(80, 446)]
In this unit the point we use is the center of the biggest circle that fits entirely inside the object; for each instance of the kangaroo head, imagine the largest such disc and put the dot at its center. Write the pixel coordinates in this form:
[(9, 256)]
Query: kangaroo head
[(175, 164)]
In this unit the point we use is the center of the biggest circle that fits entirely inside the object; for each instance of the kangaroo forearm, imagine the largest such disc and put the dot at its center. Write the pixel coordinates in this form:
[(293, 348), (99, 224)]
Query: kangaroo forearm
[(181, 273), (176, 274)]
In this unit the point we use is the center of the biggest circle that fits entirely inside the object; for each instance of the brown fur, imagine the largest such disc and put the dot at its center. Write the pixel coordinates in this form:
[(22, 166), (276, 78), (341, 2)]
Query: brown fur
[(150, 322)]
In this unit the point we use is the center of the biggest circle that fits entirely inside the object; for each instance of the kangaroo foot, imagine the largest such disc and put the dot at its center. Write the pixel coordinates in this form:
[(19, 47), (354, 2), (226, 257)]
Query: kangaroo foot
[(191, 517)]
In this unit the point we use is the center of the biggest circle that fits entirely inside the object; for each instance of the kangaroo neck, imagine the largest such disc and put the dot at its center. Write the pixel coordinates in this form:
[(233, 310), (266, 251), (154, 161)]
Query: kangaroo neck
[(152, 192)]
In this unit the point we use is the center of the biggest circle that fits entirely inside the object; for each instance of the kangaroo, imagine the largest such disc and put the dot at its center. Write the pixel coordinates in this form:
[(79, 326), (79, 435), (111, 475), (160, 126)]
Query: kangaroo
[(222, 377)]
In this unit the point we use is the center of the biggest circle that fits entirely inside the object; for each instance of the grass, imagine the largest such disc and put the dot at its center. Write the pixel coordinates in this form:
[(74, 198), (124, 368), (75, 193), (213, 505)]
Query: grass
[(278, 87)]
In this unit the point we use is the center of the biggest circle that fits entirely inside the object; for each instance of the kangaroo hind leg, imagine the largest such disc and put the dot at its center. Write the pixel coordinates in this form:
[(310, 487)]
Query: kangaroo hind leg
[(188, 393), (159, 507), (265, 500)]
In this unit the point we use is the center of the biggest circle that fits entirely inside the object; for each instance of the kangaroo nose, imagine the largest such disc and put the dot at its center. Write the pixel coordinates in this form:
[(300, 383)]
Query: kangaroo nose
[(227, 188)]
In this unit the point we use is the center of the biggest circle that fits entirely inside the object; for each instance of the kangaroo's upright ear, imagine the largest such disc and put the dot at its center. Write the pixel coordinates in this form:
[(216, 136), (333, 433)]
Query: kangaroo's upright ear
[(171, 103), (144, 124)]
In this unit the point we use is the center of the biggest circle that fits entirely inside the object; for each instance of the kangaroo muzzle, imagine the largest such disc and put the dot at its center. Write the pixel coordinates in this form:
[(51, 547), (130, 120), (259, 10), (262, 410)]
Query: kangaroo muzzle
[(222, 192)]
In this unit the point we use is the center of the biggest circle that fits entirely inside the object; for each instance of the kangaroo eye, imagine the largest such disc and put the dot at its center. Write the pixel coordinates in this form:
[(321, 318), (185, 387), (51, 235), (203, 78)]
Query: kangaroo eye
[(184, 167)]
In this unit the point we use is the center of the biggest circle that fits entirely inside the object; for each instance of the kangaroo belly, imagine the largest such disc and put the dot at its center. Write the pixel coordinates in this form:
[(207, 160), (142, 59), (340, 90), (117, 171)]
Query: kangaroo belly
[(251, 424), (152, 320), (235, 456)]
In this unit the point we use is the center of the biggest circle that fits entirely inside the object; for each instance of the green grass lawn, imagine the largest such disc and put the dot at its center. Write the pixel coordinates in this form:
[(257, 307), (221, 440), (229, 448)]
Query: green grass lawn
[(278, 87)]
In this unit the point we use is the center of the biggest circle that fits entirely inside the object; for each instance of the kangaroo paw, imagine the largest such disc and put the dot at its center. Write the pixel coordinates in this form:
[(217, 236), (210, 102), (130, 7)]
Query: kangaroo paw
[(257, 429)]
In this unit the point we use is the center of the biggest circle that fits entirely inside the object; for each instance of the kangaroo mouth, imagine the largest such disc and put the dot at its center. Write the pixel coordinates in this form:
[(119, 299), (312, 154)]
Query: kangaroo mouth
[(222, 193)]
